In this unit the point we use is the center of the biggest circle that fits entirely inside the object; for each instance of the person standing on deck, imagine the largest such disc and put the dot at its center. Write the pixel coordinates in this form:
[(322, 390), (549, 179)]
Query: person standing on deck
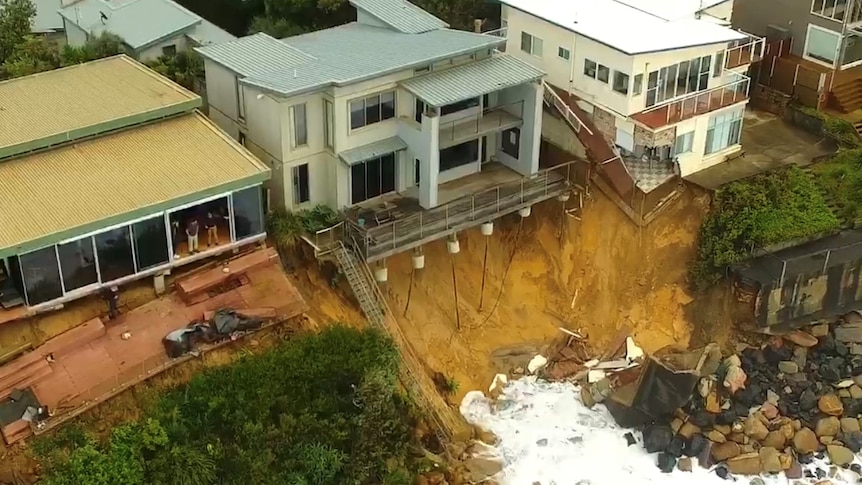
[(192, 229)]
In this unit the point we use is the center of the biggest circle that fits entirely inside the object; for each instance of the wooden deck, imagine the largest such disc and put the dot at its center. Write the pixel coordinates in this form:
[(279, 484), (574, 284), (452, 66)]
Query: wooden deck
[(93, 362), (411, 226)]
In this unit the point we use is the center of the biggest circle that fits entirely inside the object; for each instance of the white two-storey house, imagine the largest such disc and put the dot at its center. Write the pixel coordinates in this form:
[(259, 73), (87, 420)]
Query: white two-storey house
[(390, 119), (662, 81)]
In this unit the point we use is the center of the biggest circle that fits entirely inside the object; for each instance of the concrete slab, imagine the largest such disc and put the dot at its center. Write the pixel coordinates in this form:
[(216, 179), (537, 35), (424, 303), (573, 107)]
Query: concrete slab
[(768, 143)]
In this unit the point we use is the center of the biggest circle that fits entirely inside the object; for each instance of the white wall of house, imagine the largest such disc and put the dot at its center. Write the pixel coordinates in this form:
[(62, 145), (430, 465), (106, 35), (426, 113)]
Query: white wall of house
[(153, 52), (723, 11), (222, 97), (565, 73), (75, 36)]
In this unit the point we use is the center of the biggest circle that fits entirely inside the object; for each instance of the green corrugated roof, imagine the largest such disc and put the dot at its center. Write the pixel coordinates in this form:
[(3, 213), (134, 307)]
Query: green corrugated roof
[(471, 80), (401, 15), (341, 55), (372, 150)]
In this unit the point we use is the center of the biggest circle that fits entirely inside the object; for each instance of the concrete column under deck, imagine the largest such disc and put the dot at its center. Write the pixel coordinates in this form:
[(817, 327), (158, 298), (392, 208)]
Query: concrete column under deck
[(429, 166)]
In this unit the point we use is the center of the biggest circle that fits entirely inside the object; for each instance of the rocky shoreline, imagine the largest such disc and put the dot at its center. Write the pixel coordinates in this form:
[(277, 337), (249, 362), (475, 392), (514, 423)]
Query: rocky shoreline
[(776, 408)]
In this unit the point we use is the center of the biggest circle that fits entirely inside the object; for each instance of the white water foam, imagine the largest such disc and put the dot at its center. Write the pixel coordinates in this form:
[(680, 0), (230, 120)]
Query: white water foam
[(548, 436)]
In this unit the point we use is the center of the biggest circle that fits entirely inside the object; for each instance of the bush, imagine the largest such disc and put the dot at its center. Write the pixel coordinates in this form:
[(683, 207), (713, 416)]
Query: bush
[(318, 410), (763, 210)]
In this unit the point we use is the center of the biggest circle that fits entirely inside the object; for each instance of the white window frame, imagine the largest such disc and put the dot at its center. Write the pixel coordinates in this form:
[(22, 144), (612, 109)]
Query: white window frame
[(535, 48), (561, 51), (296, 140), (613, 83), (687, 141), (724, 129), (240, 100), (808, 38), (328, 124), (825, 3)]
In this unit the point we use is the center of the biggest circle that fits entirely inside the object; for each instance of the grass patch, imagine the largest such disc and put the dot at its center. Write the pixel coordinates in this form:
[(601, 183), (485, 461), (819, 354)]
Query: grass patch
[(317, 410), (840, 180)]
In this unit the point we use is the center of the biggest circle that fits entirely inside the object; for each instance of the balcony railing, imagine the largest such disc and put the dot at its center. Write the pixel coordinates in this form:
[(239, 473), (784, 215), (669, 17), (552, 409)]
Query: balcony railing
[(744, 52), (501, 32), (490, 119), (694, 104), (408, 232)]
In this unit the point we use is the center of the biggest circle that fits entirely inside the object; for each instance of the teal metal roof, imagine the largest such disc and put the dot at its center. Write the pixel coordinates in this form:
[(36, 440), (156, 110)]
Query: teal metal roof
[(400, 15), (372, 150), (338, 56), (471, 80), (140, 23), (47, 19)]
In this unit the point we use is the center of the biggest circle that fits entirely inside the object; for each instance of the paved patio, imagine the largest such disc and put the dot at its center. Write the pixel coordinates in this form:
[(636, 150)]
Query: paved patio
[(768, 143)]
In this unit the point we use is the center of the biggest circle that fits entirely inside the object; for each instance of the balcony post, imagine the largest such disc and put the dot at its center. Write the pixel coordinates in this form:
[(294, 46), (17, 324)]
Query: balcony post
[(428, 153)]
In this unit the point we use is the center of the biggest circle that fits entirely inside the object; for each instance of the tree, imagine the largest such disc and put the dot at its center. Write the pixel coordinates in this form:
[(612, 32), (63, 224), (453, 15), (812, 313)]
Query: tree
[(15, 20), (31, 55), (184, 68), (276, 27), (35, 54)]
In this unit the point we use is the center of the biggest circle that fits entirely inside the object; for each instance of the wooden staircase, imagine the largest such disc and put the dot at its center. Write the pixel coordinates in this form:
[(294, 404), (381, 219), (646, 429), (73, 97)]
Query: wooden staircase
[(858, 127), (847, 97)]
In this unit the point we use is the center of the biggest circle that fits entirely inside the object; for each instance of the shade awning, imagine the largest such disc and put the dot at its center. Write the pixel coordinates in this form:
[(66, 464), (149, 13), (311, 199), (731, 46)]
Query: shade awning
[(372, 150), (472, 80)]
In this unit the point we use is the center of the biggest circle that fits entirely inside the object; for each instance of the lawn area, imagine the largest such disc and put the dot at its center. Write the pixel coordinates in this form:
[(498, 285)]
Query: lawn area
[(319, 409)]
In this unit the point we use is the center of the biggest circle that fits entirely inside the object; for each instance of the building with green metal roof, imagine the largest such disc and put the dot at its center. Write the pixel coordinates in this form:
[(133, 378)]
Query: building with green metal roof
[(392, 120), (103, 167)]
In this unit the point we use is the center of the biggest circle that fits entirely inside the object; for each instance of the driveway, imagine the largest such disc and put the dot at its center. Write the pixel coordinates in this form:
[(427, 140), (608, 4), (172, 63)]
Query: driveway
[(768, 142)]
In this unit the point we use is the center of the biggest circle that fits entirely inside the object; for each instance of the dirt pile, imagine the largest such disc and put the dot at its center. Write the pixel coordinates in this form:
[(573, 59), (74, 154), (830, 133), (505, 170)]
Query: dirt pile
[(594, 276)]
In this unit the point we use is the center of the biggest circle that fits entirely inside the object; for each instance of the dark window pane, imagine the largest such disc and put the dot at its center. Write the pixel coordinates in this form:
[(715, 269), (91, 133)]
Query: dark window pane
[(418, 171), (115, 254), (151, 242), (459, 106), (357, 114), (511, 143), (357, 183), (387, 105), (459, 155), (603, 74), (420, 107), (300, 184), (41, 276), (372, 109), (248, 212), (372, 168), (652, 80), (78, 263), (388, 177)]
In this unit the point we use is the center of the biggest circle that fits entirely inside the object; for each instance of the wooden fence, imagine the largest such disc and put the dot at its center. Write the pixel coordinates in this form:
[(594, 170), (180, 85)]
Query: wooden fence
[(807, 83)]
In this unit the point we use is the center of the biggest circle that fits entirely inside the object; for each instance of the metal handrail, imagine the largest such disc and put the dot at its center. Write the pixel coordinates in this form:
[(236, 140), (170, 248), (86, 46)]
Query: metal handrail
[(501, 32), (707, 95), (470, 208), (458, 124), (563, 108), (741, 45)]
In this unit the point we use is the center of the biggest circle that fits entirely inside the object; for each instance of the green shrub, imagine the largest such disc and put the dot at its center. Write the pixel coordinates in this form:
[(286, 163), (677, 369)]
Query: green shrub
[(840, 180), (318, 410), (316, 219), (763, 210), (840, 130)]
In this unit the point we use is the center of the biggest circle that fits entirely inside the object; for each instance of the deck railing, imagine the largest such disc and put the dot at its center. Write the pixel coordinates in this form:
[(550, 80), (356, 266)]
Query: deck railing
[(704, 101), (487, 120), (745, 51), (374, 243)]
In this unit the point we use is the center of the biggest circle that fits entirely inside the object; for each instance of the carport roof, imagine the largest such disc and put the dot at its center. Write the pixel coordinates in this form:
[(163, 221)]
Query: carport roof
[(59, 194)]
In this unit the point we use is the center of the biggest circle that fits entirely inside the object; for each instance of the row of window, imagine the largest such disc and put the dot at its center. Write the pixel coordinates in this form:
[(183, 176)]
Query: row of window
[(663, 84), (363, 112), (834, 10), (51, 272), (723, 131)]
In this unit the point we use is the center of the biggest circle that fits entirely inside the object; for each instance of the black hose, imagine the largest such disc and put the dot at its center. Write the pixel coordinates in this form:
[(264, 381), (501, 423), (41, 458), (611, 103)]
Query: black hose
[(484, 269), (409, 291), (506, 272)]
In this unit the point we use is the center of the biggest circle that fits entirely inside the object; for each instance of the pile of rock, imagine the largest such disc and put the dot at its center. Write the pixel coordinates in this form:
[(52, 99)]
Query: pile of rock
[(774, 408)]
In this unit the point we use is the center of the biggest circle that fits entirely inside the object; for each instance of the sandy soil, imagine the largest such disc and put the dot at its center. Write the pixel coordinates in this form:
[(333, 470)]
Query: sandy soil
[(597, 275)]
